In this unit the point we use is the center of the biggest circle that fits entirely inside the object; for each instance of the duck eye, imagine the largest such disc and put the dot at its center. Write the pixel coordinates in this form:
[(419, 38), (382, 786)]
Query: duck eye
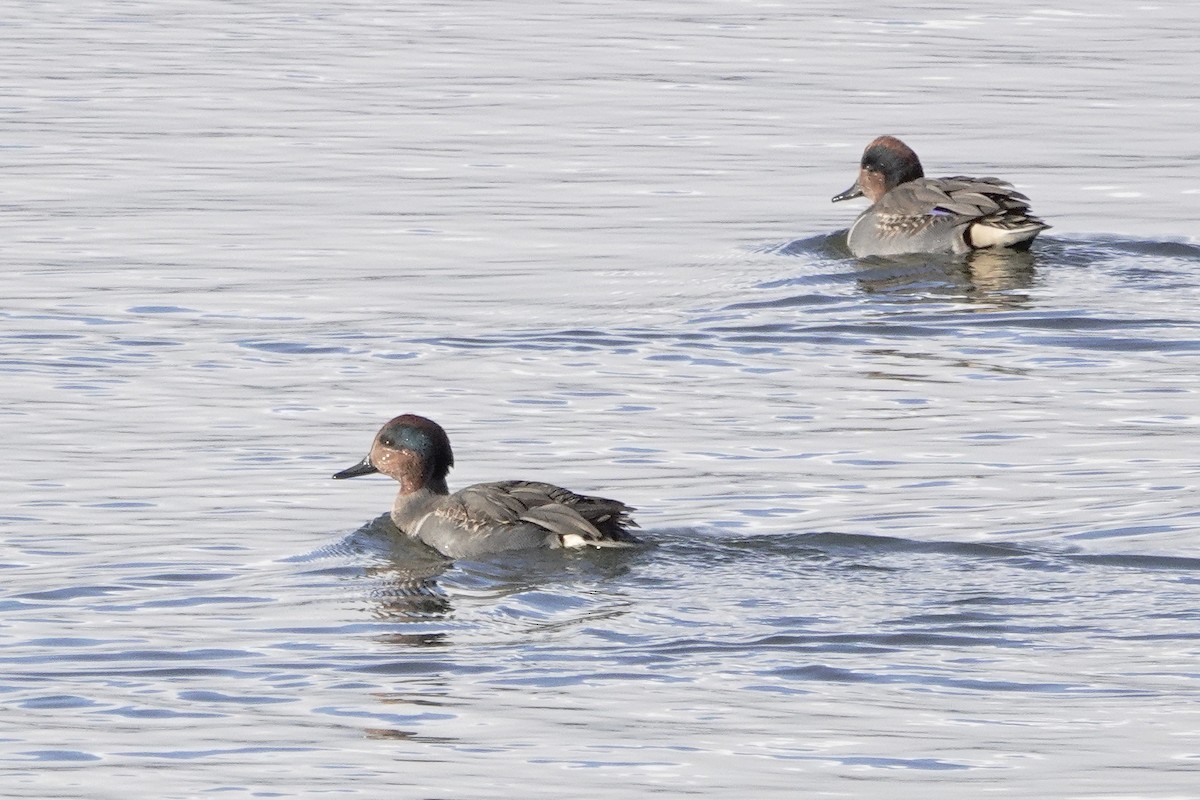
[(386, 441)]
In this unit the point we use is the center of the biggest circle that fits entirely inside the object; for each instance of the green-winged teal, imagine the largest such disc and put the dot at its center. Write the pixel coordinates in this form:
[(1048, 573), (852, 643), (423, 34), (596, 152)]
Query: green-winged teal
[(487, 517), (910, 213)]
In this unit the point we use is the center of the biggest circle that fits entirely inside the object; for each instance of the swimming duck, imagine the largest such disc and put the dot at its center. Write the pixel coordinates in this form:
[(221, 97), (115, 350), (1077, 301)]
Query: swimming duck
[(914, 214), (487, 517)]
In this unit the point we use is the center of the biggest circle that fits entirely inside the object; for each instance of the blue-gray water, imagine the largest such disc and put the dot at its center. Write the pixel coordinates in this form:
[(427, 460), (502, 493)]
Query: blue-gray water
[(917, 529)]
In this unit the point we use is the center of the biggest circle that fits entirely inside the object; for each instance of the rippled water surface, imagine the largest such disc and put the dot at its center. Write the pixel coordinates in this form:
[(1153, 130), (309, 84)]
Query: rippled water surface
[(917, 528)]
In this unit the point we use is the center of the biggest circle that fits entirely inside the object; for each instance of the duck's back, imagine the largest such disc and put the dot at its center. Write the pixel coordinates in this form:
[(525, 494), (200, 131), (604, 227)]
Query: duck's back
[(516, 515)]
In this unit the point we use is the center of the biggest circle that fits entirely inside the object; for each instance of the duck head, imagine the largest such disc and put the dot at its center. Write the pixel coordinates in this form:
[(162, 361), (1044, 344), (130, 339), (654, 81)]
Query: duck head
[(413, 450), (886, 163)]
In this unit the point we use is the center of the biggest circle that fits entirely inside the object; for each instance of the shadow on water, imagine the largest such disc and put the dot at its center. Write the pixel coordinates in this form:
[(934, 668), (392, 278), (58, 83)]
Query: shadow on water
[(987, 276), (823, 295), (891, 553), (1049, 249)]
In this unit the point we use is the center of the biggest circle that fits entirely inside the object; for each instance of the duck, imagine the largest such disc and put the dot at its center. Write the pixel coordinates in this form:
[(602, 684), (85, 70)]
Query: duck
[(485, 518), (912, 214)]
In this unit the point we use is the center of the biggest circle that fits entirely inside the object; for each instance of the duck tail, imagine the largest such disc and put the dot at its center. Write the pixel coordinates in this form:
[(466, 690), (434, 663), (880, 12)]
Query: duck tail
[(1016, 232)]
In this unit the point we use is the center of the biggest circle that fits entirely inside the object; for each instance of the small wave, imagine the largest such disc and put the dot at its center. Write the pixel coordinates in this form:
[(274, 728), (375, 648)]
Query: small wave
[(831, 546)]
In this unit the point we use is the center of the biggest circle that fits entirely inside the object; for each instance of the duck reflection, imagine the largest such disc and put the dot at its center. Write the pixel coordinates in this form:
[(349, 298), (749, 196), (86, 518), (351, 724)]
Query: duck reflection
[(990, 278), (410, 580), (404, 579), (992, 271)]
